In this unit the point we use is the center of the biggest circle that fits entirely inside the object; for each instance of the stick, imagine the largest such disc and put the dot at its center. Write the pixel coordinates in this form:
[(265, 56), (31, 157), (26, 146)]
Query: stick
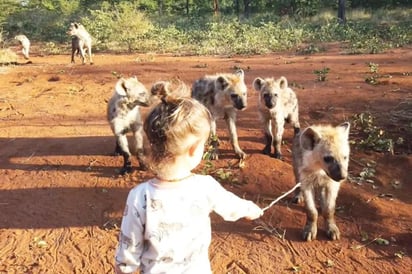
[(281, 197)]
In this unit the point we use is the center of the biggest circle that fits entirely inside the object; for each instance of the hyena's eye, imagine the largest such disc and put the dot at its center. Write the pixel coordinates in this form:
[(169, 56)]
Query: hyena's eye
[(328, 159)]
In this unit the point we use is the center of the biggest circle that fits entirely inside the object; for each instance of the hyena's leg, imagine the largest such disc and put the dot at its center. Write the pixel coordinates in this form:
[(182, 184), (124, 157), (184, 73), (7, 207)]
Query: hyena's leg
[(230, 118), (25, 52), (73, 51), (310, 230), (298, 196), (75, 47), (267, 128), (328, 204), (213, 142), (89, 49), (118, 149), (82, 53), (121, 139), (277, 142), (138, 136), (295, 123)]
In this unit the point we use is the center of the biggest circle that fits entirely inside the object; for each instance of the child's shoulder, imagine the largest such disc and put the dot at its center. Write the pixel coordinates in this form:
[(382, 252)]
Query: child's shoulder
[(141, 187), (204, 180)]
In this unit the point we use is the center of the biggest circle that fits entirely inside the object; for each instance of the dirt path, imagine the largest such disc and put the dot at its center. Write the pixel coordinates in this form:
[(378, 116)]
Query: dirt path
[(61, 200)]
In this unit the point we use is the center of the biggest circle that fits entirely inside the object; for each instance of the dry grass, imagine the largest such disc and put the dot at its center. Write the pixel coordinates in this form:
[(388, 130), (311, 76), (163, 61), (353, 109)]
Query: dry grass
[(7, 56)]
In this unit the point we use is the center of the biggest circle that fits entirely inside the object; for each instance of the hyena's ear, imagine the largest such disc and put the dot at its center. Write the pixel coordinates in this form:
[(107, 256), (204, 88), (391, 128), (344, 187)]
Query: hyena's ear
[(160, 88), (240, 73), (121, 87), (258, 84), (283, 82), (221, 83), (309, 138), (345, 128)]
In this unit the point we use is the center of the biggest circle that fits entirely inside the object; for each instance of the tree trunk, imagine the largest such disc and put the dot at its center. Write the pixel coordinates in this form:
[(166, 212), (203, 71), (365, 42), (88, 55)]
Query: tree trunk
[(246, 12), (237, 8), (187, 7), (341, 11), (160, 7), (215, 7)]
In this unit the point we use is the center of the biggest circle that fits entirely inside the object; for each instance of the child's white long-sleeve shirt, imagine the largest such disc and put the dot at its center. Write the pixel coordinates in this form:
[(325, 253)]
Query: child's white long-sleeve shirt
[(166, 226)]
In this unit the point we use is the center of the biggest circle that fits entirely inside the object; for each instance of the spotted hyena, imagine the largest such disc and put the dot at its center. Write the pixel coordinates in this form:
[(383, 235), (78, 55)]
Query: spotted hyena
[(223, 95), (277, 104), (84, 40), (25, 44), (320, 163), (124, 116)]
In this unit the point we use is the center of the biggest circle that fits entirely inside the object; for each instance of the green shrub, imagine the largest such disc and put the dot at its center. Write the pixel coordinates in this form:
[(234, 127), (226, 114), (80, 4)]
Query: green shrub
[(370, 136), (123, 25)]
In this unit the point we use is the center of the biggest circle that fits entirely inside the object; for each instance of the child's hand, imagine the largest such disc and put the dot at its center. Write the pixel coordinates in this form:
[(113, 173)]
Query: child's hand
[(254, 212)]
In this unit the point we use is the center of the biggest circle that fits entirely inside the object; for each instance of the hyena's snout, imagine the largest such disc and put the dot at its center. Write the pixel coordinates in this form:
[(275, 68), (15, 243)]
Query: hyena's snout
[(147, 100), (238, 101), (270, 101), (144, 99), (335, 169)]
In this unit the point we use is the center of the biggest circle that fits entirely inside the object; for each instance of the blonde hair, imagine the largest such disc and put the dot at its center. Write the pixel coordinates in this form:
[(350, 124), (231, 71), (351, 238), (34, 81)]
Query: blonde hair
[(169, 126)]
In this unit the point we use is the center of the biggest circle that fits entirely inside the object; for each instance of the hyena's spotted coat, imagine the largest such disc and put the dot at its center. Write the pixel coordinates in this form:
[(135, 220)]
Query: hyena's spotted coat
[(320, 163), (277, 104), (223, 95), (124, 116)]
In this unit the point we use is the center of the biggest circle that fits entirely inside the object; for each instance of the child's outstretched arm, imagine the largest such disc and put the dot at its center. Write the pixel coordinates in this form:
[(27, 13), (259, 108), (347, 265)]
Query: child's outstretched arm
[(232, 207)]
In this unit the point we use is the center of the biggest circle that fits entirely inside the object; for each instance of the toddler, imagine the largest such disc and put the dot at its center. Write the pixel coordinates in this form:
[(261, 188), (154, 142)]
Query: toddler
[(166, 226)]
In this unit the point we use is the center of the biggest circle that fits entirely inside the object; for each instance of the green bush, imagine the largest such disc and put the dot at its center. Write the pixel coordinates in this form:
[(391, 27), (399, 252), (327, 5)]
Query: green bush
[(123, 25)]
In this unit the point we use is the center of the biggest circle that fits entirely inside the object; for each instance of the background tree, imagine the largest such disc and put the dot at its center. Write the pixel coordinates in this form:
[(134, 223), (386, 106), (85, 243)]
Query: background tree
[(341, 11), (247, 7), (160, 7), (215, 7)]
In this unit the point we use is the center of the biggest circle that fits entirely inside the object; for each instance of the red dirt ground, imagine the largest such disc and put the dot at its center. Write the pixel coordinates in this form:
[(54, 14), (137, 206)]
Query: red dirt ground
[(61, 201)]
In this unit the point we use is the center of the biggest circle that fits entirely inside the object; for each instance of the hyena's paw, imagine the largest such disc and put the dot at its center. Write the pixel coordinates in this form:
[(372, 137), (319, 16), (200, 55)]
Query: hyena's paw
[(242, 155), (309, 232), (212, 149), (126, 169), (333, 232), (266, 150), (298, 198), (142, 161), (277, 155), (211, 155)]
